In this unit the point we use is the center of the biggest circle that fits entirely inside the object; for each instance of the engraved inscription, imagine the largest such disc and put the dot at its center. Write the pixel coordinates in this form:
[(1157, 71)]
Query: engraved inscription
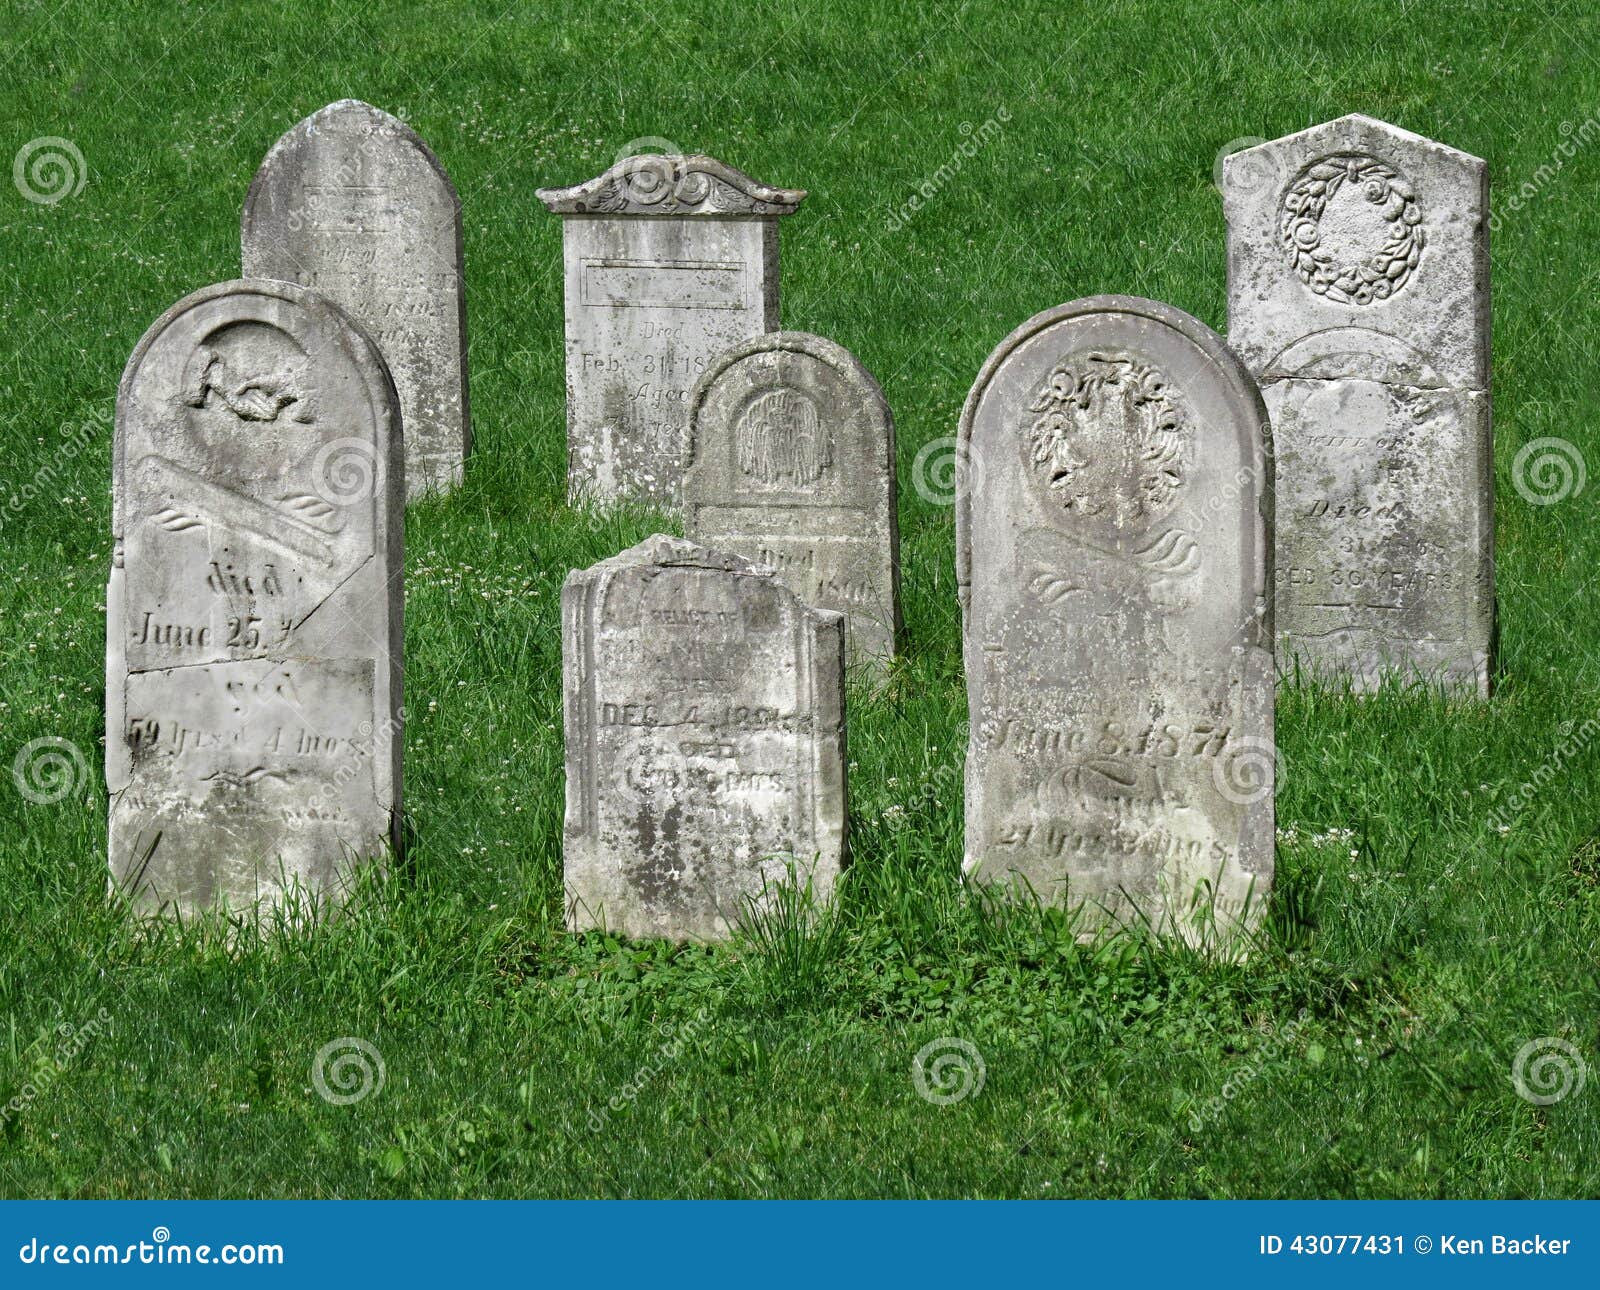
[(663, 284)]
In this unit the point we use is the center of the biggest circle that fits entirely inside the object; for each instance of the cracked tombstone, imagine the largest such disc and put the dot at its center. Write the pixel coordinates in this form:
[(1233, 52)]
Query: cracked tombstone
[(705, 743), (354, 205), (669, 260), (1358, 295), (253, 637), (792, 467), (1113, 531)]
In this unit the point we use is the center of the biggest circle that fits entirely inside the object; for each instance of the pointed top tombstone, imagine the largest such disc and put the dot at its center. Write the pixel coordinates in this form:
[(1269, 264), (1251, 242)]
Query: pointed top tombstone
[(1358, 294), (352, 203)]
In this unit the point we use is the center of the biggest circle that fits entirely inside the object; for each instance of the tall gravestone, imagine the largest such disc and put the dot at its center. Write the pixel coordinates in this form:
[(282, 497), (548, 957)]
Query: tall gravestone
[(791, 465), (669, 260), (1113, 550), (1358, 295), (353, 204), (253, 613), (705, 741)]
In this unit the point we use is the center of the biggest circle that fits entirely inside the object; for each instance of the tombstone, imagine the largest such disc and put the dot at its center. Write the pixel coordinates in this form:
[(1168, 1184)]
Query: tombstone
[(1358, 295), (705, 742), (1113, 548), (791, 465), (253, 612), (669, 260), (353, 204)]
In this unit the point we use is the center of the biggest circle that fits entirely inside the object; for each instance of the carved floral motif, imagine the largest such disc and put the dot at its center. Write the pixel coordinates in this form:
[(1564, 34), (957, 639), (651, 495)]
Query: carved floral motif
[(1386, 267)]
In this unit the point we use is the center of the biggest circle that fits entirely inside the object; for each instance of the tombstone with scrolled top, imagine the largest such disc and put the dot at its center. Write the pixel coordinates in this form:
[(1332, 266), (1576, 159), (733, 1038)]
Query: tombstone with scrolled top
[(669, 260)]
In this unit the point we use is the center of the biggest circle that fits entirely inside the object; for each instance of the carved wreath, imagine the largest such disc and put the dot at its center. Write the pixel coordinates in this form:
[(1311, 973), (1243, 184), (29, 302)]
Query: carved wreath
[(1383, 272), (1108, 439), (664, 185)]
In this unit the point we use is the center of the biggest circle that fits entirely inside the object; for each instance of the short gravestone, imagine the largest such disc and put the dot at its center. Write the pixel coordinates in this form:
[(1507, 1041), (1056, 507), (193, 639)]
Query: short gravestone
[(1112, 557), (669, 260), (253, 612), (1358, 295), (353, 204), (705, 742), (791, 465)]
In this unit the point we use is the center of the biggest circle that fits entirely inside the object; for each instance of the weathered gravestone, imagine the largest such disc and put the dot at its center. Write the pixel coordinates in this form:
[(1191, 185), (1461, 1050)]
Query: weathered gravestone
[(1112, 553), (705, 741), (353, 204), (791, 465), (669, 260), (253, 613), (1358, 295)]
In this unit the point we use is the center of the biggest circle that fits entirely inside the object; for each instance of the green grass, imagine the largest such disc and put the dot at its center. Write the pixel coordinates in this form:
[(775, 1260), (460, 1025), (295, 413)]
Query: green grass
[(1365, 1050)]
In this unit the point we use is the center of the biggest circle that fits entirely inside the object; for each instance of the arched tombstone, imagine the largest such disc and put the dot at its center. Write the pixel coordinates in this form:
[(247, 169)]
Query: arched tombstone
[(354, 205), (791, 465), (253, 643), (1358, 296), (1113, 548)]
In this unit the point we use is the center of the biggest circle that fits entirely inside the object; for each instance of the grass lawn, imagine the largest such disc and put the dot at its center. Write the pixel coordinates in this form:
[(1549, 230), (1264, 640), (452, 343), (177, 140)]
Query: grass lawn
[(1418, 940)]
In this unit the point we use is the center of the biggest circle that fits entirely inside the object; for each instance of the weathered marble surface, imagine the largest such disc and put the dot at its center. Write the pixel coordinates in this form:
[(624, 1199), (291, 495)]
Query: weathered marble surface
[(253, 613), (1113, 552), (791, 465), (704, 709), (668, 261), (1358, 295), (353, 204)]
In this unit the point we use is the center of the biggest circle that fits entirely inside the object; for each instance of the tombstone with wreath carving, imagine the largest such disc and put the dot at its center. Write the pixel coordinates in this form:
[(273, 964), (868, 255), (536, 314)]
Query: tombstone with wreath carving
[(1358, 294), (669, 260), (1112, 548)]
